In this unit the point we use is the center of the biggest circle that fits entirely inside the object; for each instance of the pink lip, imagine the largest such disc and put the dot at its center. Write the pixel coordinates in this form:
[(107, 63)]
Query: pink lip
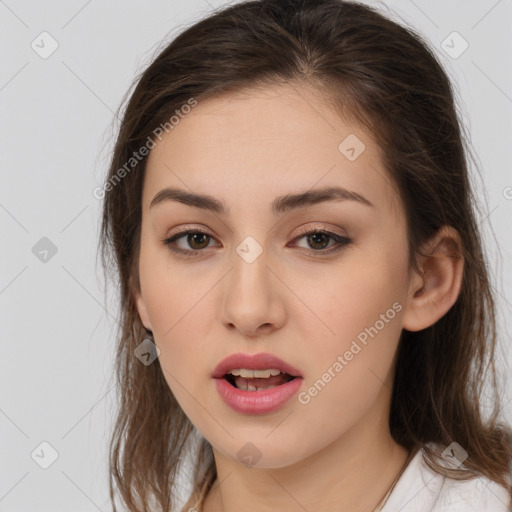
[(262, 361), (255, 402)]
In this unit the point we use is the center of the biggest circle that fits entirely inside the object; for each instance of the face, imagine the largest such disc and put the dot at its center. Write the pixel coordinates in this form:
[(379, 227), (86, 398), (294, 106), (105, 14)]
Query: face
[(321, 284)]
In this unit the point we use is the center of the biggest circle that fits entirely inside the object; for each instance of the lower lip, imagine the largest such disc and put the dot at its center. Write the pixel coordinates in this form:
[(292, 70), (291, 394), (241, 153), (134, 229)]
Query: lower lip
[(257, 402)]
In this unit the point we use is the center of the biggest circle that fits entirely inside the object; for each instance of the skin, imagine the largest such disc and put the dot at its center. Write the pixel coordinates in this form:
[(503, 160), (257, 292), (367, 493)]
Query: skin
[(336, 451)]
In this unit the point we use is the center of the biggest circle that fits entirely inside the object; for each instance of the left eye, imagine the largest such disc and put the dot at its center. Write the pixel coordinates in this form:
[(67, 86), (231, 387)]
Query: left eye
[(199, 240), (318, 237)]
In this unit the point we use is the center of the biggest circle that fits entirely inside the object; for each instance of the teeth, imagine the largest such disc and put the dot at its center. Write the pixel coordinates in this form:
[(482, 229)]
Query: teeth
[(251, 374), (248, 387)]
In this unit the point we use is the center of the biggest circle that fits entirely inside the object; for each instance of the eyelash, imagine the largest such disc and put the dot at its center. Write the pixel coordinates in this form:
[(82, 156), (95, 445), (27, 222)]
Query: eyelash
[(341, 242)]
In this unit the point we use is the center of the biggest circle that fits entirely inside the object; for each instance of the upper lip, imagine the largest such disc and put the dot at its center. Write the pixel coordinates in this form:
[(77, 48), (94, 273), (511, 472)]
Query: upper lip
[(260, 361)]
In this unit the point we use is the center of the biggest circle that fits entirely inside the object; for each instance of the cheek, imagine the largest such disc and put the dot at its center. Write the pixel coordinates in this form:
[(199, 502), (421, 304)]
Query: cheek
[(180, 309), (171, 291), (181, 338), (357, 315), (347, 299), (350, 368)]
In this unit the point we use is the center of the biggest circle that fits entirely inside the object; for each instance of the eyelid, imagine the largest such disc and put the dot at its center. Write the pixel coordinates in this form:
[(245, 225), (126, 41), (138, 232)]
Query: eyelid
[(320, 229)]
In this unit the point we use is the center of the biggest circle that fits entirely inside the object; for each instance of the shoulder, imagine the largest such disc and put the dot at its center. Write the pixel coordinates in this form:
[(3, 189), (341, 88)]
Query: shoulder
[(479, 494), (420, 489)]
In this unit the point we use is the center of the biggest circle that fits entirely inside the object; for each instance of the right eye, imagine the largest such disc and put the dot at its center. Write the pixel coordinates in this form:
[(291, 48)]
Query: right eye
[(194, 236)]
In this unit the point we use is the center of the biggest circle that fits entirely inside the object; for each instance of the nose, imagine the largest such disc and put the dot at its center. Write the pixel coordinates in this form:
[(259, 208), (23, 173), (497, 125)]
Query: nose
[(253, 297)]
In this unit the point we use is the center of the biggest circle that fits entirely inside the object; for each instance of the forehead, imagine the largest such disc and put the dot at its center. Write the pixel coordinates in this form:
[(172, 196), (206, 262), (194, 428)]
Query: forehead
[(267, 141)]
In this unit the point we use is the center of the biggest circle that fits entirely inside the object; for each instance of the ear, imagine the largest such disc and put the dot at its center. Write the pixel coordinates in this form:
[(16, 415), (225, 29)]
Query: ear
[(140, 304), (434, 293)]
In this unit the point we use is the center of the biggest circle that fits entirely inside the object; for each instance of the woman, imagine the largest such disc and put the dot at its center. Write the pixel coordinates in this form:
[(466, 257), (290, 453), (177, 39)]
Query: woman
[(288, 207)]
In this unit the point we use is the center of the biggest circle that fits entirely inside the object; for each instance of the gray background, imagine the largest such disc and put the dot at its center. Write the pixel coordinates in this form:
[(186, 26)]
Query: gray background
[(56, 133)]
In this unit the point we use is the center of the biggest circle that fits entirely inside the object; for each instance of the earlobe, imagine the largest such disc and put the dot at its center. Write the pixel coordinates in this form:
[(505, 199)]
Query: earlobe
[(433, 294)]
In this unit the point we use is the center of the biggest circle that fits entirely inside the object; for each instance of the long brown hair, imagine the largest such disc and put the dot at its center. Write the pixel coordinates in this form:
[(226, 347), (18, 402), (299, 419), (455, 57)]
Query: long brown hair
[(386, 77)]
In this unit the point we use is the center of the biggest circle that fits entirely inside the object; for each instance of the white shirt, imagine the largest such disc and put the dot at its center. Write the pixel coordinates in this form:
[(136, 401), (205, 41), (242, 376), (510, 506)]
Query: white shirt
[(420, 489)]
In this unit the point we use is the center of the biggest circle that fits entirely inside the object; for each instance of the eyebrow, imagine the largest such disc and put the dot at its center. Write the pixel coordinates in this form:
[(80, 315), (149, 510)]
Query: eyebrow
[(279, 205)]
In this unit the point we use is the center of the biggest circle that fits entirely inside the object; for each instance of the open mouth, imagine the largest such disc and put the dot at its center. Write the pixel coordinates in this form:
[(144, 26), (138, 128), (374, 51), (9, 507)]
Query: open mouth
[(257, 383)]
